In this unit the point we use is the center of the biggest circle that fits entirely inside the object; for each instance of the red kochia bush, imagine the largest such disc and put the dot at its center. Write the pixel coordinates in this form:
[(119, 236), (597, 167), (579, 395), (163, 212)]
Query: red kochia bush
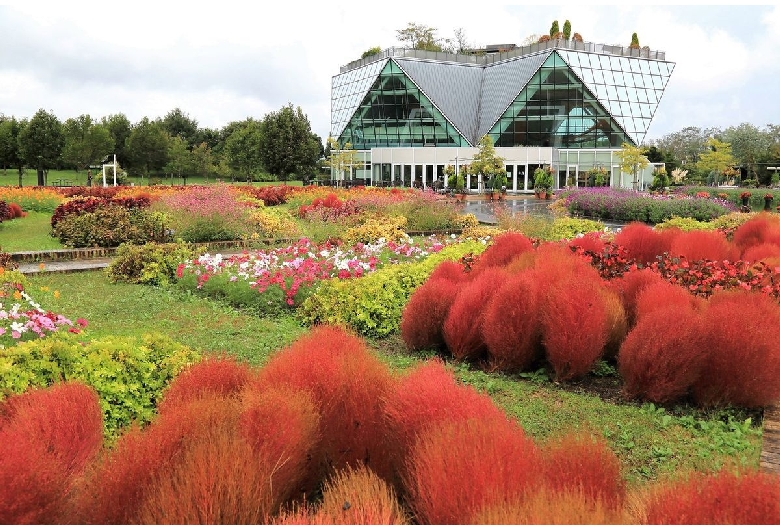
[(422, 320), (462, 326), (510, 325), (590, 242), (661, 362), (348, 384), (449, 270), (456, 468), (762, 228), (425, 397), (704, 244), (761, 251), (575, 327), (575, 463), (504, 249), (644, 244), (667, 298), (750, 498), (47, 437), (743, 367), (630, 285), (219, 377)]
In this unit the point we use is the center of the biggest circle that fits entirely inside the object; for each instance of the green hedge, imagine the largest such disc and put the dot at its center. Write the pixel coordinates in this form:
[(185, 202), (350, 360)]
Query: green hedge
[(372, 305), (152, 263)]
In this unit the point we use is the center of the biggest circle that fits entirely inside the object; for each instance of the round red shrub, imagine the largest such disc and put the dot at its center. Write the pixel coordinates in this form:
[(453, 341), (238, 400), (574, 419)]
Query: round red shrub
[(660, 361), (510, 326), (762, 228), (761, 252), (665, 297), (750, 498), (422, 320), (644, 244), (743, 366), (629, 287), (449, 270), (504, 249), (590, 242), (704, 245), (462, 326)]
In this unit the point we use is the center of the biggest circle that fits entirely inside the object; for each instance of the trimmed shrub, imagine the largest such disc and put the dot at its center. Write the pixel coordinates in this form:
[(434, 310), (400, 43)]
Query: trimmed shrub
[(152, 263), (457, 468), (703, 244), (510, 324), (661, 362), (110, 226), (747, 498), (464, 320), (743, 366), (219, 377), (348, 385), (577, 464), (423, 317), (83, 205), (575, 327)]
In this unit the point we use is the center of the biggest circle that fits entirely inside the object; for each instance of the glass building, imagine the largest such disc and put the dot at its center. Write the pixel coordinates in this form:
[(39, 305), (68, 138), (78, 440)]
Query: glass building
[(561, 103)]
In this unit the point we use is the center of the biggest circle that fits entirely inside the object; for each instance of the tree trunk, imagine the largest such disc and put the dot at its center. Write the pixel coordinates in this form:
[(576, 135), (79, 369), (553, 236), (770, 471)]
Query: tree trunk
[(40, 173)]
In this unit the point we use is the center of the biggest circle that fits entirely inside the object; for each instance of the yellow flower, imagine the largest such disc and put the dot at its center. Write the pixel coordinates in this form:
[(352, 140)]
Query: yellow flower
[(45, 289), (17, 295), (56, 294)]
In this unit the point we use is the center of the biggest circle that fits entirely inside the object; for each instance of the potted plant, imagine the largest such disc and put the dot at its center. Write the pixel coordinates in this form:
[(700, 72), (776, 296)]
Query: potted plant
[(768, 198), (456, 182), (543, 182), (745, 198)]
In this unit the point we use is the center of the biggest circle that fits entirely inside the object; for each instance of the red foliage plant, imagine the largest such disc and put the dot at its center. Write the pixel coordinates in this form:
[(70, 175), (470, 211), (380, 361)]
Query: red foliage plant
[(426, 397), (212, 376), (661, 362), (704, 244), (590, 242), (547, 506), (577, 463), (665, 297), (760, 252), (510, 324), (617, 321), (457, 468), (348, 384), (644, 244), (747, 498), (462, 325), (449, 270), (575, 327), (422, 320), (556, 262), (762, 228), (504, 249), (47, 436), (743, 366), (630, 285)]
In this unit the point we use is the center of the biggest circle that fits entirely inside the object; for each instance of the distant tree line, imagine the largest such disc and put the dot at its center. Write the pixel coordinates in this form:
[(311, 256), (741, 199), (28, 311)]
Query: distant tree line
[(746, 151), (280, 146)]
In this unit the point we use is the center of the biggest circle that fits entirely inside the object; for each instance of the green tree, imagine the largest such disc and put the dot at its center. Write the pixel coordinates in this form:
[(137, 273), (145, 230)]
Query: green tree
[(419, 37), (119, 128), (180, 162), (342, 159), (632, 160), (9, 145), (748, 145), (242, 148), (371, 51), (147, 147), (634, 41), (287, 145), (202, 160), (554, 29), (488, 164), (717, 158), (40, 143), (178, 123), (567, 30), (86, 142)]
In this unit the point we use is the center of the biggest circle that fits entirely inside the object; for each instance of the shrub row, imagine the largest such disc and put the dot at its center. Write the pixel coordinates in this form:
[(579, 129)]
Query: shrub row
[(110, 226), (82, 205), (232, 445)]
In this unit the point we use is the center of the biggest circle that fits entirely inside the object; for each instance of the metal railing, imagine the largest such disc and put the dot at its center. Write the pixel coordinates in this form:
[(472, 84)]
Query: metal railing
[(490, 58)]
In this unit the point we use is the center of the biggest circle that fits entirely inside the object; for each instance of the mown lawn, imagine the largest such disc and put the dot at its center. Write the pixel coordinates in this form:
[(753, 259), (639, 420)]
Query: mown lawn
[(28, 233), (649, 441)]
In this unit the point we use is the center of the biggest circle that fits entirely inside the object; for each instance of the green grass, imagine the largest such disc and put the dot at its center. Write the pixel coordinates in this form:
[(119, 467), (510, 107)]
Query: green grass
[(649, 441), (28, 233)]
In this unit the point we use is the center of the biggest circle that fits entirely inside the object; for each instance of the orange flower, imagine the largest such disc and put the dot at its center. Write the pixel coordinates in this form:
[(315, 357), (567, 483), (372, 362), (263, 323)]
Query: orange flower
[(17, 295), (56, 294)]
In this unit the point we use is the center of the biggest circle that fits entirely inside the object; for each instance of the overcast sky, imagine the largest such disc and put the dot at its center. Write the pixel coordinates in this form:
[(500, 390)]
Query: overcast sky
[(224, 61)]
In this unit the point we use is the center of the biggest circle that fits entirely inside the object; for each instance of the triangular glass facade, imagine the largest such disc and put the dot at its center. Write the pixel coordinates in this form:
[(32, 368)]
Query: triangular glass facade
[(396, 113), (347, 91), (630, 88), (556, 109)]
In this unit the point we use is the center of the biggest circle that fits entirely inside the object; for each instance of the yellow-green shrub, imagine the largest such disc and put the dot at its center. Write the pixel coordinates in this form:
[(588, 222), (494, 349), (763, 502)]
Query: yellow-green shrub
[(372, 305), (373, 229), (128, 373), (152, 263), (10, 281), (274, 223), (569, 227), (685, 224)]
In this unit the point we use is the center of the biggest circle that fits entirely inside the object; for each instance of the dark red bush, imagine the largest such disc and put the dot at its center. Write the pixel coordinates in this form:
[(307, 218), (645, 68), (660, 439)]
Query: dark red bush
[(743, 366), (83, 205), (464, 320), (219, 377), (510, 324), (348, 383), (660, 361), (5, 211), (575, 326), (644, 244), (704, 244), (422, 320), (503, 250), (576, 463), (750, 498), (457, 468)]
